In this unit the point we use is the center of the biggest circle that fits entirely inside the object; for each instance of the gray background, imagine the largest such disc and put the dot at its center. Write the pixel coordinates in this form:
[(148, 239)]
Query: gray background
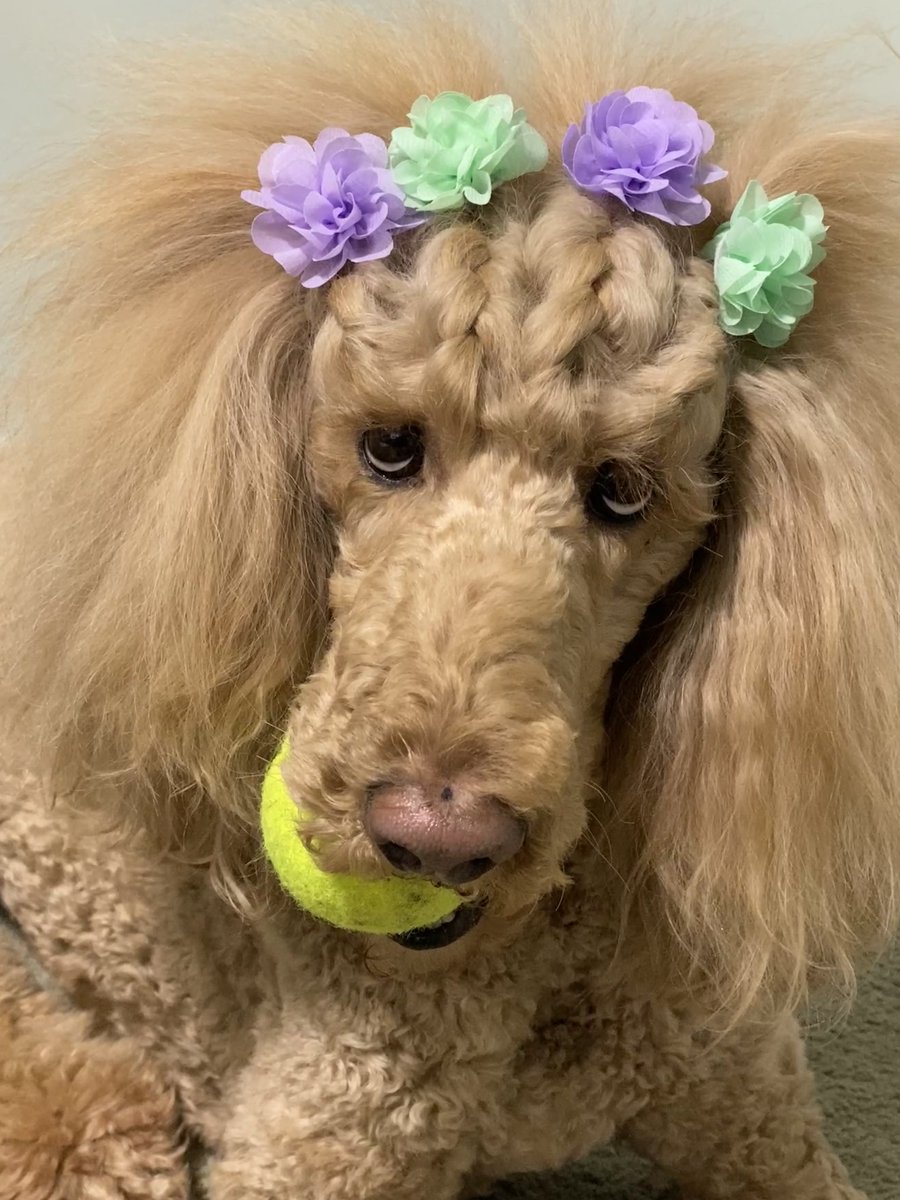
[(48, 48)]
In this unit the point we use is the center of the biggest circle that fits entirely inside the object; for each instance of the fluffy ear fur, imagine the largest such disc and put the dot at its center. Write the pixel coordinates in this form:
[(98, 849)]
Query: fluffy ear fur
[(168, 587), (758, 753)]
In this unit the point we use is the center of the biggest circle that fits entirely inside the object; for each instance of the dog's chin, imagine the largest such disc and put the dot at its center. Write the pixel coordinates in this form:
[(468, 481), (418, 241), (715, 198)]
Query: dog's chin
[(444, 932)]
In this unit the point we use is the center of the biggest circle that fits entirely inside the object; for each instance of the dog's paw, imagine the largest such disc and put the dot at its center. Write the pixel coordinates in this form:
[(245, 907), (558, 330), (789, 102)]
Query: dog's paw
[(82, 1118)]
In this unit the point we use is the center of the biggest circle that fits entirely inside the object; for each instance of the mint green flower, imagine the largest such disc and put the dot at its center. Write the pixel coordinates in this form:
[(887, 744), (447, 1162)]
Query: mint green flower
[(457, 149), (762, 258)]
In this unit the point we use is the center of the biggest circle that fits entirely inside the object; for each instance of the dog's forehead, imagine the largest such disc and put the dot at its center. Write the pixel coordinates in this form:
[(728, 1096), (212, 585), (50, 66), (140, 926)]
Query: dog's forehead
[(560, 322)]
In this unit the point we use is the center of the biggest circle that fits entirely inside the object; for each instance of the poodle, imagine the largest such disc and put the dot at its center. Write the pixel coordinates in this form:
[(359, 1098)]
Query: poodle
[(517, 544)]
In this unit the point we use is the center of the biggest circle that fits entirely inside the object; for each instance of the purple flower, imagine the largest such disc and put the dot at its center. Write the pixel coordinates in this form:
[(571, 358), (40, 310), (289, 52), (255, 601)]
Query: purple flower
[(327, 204), (646, 149)]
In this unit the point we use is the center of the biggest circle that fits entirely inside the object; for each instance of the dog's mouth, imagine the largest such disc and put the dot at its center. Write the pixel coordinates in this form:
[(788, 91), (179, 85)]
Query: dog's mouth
[(442, 933)]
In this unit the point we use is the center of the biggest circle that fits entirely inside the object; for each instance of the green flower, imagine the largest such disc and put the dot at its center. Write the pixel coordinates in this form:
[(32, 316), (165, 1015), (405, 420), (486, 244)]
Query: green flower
[(457, 149), (762, 258)]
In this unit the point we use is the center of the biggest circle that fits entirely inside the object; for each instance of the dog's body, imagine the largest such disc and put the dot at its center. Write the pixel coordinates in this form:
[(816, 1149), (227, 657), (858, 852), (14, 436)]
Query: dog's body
[(684, 721), (310, 1066)]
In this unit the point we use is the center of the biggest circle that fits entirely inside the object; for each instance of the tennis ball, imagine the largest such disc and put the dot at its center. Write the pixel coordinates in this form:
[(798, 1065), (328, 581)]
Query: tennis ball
[(386, 906)]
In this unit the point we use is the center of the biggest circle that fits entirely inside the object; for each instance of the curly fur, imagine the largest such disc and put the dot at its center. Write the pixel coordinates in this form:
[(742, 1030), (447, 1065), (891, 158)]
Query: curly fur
[(114, 1131), (706, 706)]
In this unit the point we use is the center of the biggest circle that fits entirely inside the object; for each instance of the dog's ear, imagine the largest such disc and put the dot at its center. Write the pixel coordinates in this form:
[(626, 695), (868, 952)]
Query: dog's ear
[(169, 559), (756, 745)]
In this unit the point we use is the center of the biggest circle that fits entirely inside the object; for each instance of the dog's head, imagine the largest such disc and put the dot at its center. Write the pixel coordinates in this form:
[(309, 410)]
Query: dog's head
[(514, 439), (500, 531)]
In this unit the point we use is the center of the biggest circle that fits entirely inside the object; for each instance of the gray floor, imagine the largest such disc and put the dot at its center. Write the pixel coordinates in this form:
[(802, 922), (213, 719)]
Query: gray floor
[(858, 1073)]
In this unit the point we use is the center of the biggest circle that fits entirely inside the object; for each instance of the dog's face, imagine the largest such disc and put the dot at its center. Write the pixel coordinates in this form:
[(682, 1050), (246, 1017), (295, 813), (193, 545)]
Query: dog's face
[(514, 443)]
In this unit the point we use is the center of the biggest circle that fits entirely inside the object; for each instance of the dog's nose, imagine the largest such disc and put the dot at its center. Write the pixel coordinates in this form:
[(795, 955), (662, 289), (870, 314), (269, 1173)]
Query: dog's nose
[(448, 832)]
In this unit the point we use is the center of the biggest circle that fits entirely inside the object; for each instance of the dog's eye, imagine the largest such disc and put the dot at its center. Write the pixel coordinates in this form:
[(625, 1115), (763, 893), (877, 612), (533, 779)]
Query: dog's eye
[(616, 497), (393, 454)]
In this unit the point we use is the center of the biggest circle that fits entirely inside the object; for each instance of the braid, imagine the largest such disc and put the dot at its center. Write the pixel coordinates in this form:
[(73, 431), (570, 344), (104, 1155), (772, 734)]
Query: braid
[(575, 296)]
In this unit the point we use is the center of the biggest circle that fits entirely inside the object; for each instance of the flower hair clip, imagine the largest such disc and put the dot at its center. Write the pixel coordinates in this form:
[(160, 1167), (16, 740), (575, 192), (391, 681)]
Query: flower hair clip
[(327, 204), (646, 149), (762, 258), (343, 198), (456, 149)]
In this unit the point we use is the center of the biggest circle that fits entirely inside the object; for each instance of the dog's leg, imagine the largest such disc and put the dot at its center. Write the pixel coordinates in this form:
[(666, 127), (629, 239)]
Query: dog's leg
[(81, 1117), (330, 1117), (738, 1120)]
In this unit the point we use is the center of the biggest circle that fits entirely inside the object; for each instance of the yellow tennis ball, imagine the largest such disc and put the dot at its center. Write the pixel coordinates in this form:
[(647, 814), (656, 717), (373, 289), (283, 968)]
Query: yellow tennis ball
[(385, 906)]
